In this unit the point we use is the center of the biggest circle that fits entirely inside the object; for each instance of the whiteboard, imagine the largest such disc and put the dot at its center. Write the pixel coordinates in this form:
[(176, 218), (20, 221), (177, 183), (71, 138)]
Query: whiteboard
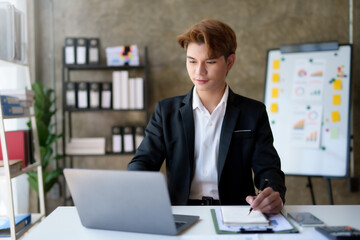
[(308, 96)]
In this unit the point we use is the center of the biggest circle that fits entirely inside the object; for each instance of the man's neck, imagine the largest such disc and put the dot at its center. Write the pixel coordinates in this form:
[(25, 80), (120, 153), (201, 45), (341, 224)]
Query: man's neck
[(210, 99)]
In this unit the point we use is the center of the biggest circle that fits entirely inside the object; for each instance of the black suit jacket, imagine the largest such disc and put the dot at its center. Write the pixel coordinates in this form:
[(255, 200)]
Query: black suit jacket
[(246, 147)]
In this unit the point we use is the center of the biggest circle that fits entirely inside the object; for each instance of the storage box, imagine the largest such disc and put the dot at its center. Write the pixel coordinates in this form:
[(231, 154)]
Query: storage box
[(11, 32), (122, 56)]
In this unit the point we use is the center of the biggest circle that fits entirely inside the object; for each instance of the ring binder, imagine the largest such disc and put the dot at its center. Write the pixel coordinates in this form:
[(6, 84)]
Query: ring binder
[(70, 53), (82, 95), (116, 139), (94, 95), (94, 51), (81, 51)]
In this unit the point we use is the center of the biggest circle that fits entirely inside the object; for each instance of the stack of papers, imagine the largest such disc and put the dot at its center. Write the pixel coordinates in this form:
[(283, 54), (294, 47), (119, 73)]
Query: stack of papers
[(86, 146), (276, 222), (239, 216)]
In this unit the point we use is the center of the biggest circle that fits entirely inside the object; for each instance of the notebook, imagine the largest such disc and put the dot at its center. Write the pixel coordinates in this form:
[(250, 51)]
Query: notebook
[(239, 216), (131, 201)]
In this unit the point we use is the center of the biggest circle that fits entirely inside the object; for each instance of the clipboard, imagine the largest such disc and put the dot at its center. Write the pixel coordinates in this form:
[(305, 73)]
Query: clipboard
[(242, 230)]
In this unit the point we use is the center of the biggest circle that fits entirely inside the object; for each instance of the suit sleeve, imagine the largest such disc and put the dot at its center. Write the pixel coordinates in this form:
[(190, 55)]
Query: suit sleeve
[(266, 161), (151, 153)]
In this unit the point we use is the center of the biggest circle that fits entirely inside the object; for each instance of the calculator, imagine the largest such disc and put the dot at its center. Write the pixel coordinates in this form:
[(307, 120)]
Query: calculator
[(339, 232)]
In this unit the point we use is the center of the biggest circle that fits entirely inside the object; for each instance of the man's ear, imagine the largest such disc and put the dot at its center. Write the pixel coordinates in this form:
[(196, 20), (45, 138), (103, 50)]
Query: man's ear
[(230, 61)]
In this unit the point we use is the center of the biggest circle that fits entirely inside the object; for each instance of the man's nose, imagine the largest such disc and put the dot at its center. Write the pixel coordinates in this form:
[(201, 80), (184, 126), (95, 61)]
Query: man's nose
[(201, 69)]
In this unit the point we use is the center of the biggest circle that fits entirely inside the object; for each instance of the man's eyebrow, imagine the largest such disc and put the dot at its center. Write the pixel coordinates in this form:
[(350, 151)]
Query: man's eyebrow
[(205, 59)]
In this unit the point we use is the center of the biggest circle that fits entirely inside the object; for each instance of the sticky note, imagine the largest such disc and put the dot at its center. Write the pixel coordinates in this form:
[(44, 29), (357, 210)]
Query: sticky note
[(275, 93), (337, 84), (276, 64), (334, 133), (274, 108), (275, 77), (336, 99), (335, 116)]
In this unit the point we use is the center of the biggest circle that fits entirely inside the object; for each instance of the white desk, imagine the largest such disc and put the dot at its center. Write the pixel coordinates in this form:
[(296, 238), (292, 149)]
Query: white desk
[(64, 223)]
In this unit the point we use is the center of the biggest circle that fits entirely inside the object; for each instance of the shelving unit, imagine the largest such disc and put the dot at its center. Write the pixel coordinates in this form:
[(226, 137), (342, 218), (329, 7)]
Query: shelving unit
[(68, 112), (35, 217)]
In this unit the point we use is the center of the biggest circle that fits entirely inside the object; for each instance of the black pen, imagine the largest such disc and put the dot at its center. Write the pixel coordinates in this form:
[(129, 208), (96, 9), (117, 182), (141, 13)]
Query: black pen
[(261, 189)]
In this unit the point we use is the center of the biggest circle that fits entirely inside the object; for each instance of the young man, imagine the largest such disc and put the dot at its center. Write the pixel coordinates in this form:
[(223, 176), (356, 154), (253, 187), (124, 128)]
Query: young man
[(213, 140)]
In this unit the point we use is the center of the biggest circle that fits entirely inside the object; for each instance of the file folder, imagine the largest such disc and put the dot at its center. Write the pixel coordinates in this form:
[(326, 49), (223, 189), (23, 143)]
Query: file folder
[(82, 95), (116, 133), (116, 90), (81, 51), (106, 95), (139, 86), (70, 53), (128, 140), (70, 95), (94, 51), (94, 95)]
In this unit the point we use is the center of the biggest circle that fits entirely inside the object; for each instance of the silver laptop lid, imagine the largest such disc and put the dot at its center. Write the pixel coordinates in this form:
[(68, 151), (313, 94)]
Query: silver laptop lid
[(122, 200)]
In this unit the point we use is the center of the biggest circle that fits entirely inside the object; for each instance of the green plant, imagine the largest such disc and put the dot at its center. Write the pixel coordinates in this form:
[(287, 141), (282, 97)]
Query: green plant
[(44, 100)]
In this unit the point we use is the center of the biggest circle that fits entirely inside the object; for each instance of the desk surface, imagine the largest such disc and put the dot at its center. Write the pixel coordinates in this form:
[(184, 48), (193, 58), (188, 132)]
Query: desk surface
[(64, 223)]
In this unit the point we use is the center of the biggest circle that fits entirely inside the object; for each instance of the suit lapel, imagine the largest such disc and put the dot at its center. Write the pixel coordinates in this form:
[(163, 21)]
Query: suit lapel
[(186, 112), (228, 126)]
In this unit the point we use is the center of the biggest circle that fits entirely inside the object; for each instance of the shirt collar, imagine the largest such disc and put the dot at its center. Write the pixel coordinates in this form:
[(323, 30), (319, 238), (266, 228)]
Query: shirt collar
[(196, 103)]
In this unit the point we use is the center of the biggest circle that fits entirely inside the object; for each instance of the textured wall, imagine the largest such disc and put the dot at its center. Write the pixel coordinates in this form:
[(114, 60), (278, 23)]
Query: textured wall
[(259, 25)]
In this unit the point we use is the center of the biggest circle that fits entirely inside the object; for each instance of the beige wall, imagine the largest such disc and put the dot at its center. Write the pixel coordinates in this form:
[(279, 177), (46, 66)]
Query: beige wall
[(260, 25)]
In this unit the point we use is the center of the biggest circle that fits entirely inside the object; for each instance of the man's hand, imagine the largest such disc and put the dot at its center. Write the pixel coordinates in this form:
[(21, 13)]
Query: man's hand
[(268, 201)]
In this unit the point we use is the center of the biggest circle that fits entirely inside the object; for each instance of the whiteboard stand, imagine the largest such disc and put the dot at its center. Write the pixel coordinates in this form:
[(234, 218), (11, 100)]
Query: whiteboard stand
[(308, 100), (330, 191), (310, 186)]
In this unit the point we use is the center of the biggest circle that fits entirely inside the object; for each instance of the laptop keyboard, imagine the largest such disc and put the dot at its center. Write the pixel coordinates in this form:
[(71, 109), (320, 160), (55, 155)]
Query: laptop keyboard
[(179, 224)]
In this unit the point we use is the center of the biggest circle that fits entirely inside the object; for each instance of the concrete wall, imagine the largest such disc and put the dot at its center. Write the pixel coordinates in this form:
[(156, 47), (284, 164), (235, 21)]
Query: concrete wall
[(260, 25)]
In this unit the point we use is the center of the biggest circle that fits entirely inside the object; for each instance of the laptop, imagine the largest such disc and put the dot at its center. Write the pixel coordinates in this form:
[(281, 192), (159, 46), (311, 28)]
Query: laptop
[(131, 201)]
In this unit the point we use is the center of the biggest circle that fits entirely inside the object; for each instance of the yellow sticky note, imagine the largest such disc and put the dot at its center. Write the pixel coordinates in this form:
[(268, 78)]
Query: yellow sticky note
[(336, 99), (275, 93), (337, 84), (335, 116), (274, 108), (275, 77), (276, 64)]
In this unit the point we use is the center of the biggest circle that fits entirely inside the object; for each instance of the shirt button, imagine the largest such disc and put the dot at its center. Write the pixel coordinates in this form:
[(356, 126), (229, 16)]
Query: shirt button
[(210, 124)]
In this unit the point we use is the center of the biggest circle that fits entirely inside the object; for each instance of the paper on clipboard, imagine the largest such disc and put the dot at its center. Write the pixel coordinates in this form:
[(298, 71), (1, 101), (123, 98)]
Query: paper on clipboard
[(278, 223)]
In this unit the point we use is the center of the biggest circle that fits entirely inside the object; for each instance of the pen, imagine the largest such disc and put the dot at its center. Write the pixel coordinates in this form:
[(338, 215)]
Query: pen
[(261, 189)]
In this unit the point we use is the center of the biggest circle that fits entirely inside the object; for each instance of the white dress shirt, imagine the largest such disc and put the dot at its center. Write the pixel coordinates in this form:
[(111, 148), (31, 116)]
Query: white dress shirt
[(207, 138)]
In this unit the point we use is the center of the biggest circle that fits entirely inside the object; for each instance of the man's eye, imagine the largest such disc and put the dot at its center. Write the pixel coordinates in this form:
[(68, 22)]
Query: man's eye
[(211, 62), (191, 61)]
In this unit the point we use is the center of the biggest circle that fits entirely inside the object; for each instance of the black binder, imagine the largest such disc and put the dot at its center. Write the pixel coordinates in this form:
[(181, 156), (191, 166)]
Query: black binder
[(70, 53), (81, 51), (117, 139), (82, 95), (94, 51), (129, 140), (70, 95), (106, 95), (94, 98)]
